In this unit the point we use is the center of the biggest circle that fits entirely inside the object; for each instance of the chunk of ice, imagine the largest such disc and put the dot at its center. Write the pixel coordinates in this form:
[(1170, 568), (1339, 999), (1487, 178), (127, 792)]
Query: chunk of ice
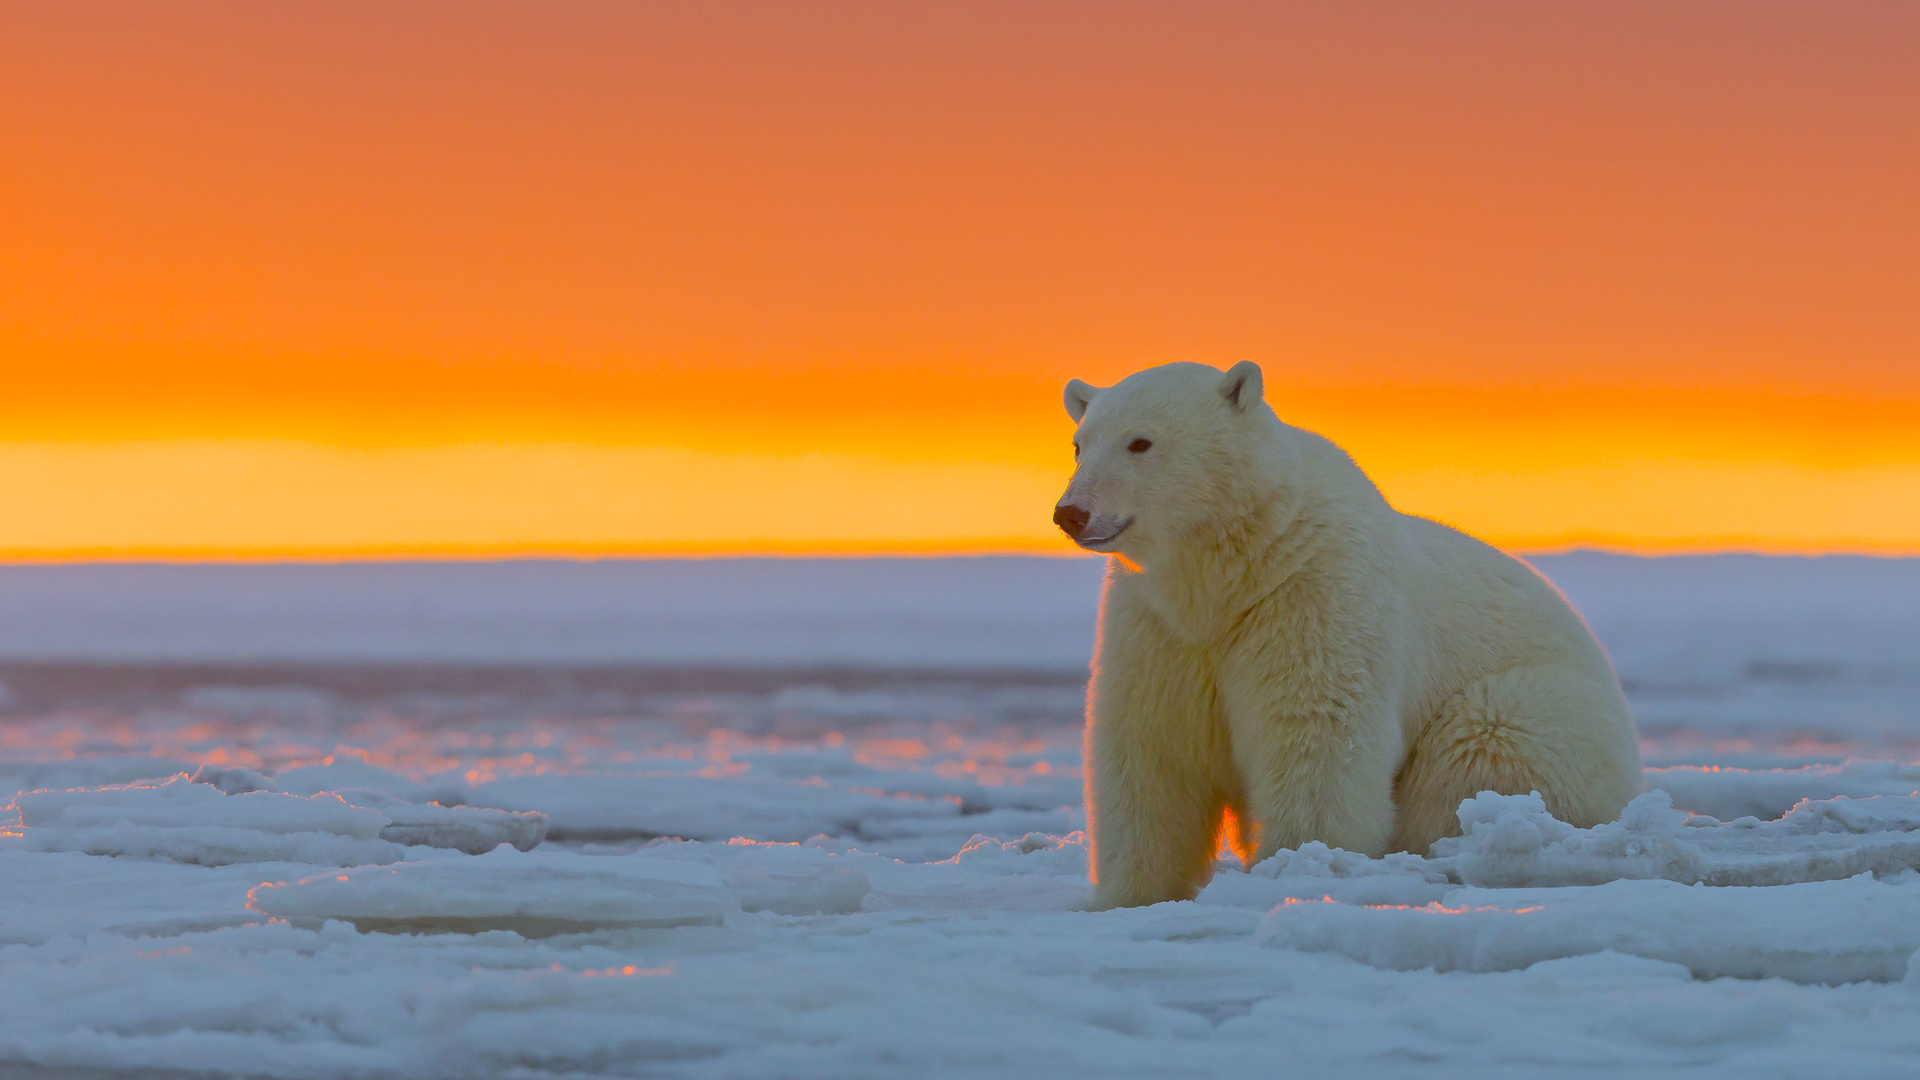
[(463, 828)]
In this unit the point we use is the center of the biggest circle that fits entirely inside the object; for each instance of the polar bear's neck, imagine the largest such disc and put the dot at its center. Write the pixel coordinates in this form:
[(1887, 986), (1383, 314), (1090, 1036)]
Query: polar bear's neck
[(1302, 504)]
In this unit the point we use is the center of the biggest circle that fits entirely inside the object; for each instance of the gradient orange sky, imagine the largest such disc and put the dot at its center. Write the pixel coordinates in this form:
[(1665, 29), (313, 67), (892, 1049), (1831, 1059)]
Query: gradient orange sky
[(474, 278)]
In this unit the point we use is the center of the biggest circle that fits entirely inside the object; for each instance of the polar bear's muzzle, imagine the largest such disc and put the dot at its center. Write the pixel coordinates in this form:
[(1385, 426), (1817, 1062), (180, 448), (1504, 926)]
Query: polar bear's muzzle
[(1101, 533), (1088, 530)]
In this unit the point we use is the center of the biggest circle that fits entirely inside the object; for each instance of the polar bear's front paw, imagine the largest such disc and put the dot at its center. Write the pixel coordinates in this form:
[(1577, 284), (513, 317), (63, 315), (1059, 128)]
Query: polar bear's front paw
[(1126, 894)]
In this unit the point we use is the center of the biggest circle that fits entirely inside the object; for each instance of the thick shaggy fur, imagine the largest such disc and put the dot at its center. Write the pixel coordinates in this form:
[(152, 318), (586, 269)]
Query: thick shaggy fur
[(1284, 655)]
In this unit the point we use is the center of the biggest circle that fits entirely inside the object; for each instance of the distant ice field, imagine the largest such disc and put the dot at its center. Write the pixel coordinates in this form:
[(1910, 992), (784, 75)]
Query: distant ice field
[(822, 818), (1726, 659)]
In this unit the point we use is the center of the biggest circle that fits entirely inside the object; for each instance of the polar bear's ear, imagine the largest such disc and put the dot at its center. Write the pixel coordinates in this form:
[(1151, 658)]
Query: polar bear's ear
[(1241, 385), (1077, 396)]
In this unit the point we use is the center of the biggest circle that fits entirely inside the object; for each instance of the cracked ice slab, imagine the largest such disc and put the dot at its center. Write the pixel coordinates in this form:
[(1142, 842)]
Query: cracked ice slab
[(474, 830)]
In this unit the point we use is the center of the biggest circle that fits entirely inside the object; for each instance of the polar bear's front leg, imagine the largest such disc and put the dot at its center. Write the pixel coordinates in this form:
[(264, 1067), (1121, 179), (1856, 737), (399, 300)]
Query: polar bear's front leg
[(1316, 762), (1309, 701), (1159, 768)]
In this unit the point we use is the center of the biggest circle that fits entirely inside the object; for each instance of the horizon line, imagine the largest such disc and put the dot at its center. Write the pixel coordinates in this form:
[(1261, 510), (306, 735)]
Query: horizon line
[(797, 553)]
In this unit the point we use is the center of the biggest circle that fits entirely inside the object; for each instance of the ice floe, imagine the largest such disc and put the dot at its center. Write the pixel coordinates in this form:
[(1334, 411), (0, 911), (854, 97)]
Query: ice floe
[(757, 958), (882, 871), (474, 830)]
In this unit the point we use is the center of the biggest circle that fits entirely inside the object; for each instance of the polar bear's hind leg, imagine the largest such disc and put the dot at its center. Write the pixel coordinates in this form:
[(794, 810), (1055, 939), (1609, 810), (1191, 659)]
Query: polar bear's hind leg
[(1548, 729)]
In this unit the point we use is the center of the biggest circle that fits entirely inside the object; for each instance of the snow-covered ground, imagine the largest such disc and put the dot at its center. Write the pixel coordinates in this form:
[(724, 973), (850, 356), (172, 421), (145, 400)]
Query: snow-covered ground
[(254, 800)]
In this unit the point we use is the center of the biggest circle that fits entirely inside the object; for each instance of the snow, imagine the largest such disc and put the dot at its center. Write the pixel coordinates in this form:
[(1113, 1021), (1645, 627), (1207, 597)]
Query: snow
[(765, 818)]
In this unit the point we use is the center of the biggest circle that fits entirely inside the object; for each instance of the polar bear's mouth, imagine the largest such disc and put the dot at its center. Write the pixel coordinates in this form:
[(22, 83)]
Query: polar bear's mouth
[(1097, 541)]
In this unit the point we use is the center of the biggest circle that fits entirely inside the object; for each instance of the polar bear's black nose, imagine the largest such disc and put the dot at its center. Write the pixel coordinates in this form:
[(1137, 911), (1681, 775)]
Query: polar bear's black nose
[(1071, 519)]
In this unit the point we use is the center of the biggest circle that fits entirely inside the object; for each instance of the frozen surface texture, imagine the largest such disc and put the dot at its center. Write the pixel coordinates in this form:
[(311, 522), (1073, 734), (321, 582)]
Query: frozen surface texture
[(1831, 932), (1510, 840), (823, 819), (532, 893), (180, 820), (1731, 793)]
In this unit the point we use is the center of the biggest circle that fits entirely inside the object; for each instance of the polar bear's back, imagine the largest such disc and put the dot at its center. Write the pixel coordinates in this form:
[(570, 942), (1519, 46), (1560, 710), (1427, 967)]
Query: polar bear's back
[(1478, 608), (1488, 611)]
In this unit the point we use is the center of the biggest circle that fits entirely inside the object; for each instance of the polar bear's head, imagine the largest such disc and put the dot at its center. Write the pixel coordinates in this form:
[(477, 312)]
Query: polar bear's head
[(1164, 452)]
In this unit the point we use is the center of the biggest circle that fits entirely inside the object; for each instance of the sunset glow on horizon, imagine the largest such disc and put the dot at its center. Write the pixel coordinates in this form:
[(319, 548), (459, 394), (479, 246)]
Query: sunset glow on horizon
[(359, 281)]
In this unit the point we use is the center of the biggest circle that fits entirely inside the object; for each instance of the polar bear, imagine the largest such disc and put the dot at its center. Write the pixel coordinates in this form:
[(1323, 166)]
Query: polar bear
[(1283, 657)]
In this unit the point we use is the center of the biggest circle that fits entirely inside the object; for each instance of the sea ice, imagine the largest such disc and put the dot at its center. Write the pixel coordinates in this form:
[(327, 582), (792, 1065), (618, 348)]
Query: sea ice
[(179, 820), (697, 808), (534, 894), (1828, 932), (821, 959), (785, 879), (907, 894), (48, 896), (474, 830), (1511, 840), (1728, 794), (1315, 871)]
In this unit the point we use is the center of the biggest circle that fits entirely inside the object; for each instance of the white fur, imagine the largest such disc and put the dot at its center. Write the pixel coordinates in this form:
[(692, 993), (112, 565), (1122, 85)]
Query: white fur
[(1283, 654)]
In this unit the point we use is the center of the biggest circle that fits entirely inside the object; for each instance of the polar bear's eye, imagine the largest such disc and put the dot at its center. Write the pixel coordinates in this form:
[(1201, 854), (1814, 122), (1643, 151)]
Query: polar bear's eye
[(1076, 451), (1140, 446)]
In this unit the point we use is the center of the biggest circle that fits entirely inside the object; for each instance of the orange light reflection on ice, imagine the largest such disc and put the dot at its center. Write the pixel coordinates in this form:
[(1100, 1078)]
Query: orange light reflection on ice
[(623, 972), (1433, 908)]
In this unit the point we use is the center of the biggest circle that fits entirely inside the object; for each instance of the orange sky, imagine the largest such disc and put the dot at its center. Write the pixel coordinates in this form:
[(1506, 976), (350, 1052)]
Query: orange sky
[(478, 278)]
